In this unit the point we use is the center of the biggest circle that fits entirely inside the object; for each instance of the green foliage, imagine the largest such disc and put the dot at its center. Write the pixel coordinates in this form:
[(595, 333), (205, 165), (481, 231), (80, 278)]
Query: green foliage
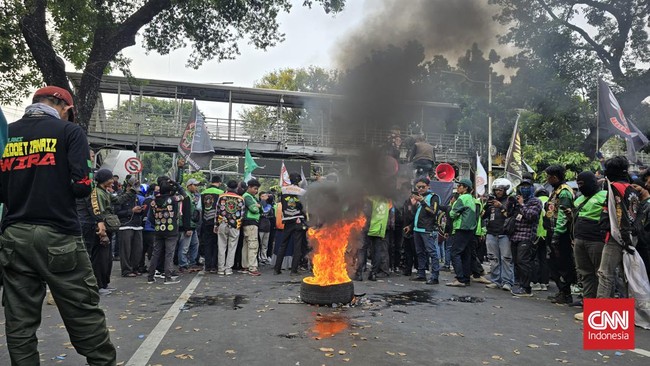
[(153, 114), (267, 121), (155, 164), (539, 158), (200, 176)]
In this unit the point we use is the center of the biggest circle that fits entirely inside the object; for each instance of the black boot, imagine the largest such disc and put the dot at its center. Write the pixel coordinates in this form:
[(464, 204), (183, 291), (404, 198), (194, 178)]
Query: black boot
[(562, 298), (372, 277)]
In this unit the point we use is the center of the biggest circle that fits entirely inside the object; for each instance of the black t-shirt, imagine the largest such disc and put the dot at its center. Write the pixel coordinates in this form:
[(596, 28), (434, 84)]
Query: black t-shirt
[(45, 166)]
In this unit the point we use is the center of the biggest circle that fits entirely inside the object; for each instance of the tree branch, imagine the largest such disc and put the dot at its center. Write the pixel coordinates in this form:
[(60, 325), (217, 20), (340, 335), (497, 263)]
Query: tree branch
[(602, 53), (32, 26)]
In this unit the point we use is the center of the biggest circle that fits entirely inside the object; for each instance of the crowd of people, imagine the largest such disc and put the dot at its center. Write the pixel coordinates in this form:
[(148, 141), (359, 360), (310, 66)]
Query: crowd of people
[(62, 230)]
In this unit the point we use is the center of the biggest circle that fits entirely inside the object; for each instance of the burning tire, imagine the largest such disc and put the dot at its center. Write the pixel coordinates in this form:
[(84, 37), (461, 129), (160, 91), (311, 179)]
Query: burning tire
[(327, 295)]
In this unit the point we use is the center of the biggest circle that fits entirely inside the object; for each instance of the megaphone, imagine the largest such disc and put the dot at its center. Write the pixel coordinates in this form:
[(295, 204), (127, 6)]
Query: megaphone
[(445, 172)]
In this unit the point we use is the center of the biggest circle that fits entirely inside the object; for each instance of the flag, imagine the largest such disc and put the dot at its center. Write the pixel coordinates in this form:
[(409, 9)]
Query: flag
[(514, 166), (614, 227), (529, 169), (284, 176), (195, 146), (303, 179), (481, 177), (249, 165), (612, 121), (4, 133)]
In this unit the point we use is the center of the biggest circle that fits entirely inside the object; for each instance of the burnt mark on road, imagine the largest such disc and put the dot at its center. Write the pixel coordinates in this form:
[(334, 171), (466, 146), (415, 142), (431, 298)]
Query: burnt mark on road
[(227, 301)]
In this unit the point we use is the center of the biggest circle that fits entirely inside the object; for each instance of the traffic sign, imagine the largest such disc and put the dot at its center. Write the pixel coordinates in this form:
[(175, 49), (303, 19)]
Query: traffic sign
[(133, 165)]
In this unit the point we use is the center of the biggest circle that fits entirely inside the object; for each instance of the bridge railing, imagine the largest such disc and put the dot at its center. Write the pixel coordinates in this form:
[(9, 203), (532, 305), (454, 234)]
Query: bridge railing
[(168, 125)]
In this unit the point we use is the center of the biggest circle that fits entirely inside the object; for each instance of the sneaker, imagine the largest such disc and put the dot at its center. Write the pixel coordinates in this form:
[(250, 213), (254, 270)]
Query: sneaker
[(433, 282), (543, 286), (110, 288), (221, 273), (521, 292), (255, 273), (493, 285), (535, 286), (103, 291), (481, 279), (456, 283), (213, 271), (228, 272), (159, 275), (579, 316), (171, 280), (506, 287), (419, 279), (372, 277), (151, 280)]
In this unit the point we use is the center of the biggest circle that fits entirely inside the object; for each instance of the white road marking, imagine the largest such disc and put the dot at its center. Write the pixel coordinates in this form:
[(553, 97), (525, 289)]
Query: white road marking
[(151, 343), (641, 352)]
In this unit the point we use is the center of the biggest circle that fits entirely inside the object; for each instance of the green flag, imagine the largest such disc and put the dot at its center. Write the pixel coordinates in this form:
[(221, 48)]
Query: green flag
[(249, 166)]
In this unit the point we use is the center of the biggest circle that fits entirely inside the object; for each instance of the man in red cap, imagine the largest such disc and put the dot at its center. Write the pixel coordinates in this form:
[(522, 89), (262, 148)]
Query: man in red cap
[(44, 168)]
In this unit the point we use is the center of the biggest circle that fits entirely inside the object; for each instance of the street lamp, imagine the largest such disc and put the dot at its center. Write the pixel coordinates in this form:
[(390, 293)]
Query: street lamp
[(489, 85)]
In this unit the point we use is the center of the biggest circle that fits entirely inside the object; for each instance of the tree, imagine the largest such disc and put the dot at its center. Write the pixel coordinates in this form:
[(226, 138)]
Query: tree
[(92, 34), (262, 121), (153, 114), (581, 38)]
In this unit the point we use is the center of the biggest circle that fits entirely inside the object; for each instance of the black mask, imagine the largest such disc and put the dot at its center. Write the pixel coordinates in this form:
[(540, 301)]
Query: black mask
[(589, 185)]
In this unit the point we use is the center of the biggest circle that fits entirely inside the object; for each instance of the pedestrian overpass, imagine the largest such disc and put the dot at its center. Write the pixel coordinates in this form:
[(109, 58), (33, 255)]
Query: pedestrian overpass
[(145, 130)]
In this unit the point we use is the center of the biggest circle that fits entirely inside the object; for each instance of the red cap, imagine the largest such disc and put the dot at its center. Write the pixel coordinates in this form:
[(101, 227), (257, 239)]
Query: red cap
[(58, 93)]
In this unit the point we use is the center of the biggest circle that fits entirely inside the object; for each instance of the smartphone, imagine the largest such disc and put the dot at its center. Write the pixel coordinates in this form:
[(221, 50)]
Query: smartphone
[(415, 193)]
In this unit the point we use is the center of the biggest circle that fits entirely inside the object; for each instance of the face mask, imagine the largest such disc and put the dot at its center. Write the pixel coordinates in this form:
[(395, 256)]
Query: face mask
[(526, 191)]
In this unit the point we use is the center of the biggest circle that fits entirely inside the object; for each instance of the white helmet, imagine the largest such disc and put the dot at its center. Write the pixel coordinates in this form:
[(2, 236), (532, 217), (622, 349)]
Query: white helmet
[(504, 184)]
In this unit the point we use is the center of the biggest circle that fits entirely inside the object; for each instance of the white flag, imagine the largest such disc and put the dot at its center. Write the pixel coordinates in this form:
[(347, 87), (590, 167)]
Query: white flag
[(614, 228), (284, 176), (481, 177)]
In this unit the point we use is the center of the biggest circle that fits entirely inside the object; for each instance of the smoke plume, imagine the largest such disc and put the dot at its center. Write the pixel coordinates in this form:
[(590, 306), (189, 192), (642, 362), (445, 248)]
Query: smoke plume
[(442, 27)]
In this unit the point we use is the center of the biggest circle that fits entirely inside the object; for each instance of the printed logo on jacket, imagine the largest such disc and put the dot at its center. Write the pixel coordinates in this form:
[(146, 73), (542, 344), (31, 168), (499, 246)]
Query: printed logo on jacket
[(19, 154)]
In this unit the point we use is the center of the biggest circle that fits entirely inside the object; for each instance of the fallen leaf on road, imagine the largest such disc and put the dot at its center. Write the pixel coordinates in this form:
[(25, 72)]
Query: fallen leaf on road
[(516, 352), (184, 356), (329, 355), (167, 352), (346, 360), (401, 354), (496, 357), (342, 352), (533, 346), (324, 349), (196, 329), (354, 345), (498, 334), (231, 351), (179, 327)]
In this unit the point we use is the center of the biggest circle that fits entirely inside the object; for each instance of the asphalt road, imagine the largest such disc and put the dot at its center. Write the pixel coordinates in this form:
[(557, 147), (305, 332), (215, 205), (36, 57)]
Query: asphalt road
[(243, 320)]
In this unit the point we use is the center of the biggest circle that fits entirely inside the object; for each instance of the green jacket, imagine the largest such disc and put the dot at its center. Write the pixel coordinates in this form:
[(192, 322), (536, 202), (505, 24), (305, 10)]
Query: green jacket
[(562, 196), (252, 211), (541, 232), (379, 216), (593, 208), (463, 213), (481, 230)]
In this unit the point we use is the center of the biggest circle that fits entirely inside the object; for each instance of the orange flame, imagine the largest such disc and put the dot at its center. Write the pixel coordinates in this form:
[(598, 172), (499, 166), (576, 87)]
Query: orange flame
[(328, 325), (329, 259)]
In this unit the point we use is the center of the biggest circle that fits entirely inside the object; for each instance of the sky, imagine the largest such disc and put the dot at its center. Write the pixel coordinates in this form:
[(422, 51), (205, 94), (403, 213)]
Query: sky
[(311, 38)]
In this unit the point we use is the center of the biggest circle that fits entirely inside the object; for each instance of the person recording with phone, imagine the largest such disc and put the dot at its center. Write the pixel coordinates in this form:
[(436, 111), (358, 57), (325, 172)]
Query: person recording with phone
[(499, 252)]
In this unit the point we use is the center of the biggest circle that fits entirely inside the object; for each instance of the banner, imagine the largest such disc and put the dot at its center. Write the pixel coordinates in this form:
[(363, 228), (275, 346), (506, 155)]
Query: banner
[(481, 177), (195, 146), (249, 165), (514, 165), (284, 176), (612, 121)]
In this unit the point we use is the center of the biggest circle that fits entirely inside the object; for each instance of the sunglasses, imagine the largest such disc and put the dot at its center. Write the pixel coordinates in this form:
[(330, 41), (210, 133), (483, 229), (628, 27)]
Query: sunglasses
[(420, 187)]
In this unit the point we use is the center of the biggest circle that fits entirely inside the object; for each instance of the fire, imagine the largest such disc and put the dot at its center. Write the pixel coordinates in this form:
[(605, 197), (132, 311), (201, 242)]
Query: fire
[(329, 259)]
